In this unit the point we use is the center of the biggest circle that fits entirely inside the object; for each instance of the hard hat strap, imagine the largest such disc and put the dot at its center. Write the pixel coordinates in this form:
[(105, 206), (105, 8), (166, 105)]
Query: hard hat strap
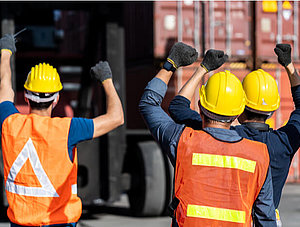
[(35, 97)]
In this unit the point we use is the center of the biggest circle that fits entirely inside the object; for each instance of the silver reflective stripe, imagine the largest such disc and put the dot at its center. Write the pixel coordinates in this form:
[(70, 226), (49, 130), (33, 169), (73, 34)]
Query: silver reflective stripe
[(74, 189), (29, 152), (37, 99)]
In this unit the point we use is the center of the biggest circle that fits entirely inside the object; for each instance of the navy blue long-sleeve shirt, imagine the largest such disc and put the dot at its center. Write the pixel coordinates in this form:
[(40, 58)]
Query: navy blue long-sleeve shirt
[(167, 133), (282, 143)]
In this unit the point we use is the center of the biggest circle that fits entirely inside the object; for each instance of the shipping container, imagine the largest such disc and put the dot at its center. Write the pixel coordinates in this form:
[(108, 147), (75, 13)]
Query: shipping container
[(276, 24)]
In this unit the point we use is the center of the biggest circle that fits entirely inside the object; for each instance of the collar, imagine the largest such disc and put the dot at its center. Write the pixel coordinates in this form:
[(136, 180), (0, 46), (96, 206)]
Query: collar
[(258, 126), (225, 135)]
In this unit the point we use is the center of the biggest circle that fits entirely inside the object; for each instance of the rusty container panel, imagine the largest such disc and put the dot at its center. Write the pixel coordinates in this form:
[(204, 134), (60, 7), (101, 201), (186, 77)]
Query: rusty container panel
[(227, 27), (165, 27), (231, 33), (174, 21), (275, 27)]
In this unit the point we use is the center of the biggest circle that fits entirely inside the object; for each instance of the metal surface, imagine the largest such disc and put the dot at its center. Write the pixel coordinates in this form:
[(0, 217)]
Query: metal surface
[(296, 30), (228, 28), (115, 51)]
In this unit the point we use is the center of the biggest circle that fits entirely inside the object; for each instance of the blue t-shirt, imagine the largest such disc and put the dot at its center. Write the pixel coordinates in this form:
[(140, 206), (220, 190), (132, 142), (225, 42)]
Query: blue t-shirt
[(80, 129)]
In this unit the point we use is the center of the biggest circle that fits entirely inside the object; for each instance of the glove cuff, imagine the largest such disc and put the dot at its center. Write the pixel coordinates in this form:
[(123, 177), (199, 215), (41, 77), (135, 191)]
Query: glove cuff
[(7, 50), (203, 66), (168, 66)]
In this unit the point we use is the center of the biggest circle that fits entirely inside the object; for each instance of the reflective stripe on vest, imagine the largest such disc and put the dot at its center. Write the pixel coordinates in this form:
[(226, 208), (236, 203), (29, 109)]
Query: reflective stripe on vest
[(216, 213), (40, 179), (29, 153), (224, 162), (216, 182)]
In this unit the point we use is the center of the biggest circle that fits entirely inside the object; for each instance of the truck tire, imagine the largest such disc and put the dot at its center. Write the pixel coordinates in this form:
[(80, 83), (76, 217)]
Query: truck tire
[(147, 194)]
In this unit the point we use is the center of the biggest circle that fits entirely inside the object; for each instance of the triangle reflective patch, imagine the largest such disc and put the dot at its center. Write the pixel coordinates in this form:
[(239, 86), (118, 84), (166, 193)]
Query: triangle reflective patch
[(29, 153)]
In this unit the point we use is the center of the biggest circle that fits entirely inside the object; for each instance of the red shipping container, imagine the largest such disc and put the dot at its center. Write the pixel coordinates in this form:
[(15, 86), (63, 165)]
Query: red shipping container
[(226, 26), (280, 26)]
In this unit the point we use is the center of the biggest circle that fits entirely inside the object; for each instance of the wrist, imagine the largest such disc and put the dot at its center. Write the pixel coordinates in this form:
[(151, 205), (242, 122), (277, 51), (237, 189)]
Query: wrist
[(203, 67), (290, 68), (169, 66), (6, 52), (107, 80)]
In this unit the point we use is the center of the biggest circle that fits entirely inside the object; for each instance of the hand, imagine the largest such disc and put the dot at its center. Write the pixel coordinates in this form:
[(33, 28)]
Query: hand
[(283, 51), (182, 54), (101, 71), (213, 59), (7, 42)]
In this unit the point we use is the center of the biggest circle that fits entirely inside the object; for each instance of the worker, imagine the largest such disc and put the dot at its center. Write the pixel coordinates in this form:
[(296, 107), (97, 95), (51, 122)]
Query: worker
[(262, 100), (39, 152), (220, 177)]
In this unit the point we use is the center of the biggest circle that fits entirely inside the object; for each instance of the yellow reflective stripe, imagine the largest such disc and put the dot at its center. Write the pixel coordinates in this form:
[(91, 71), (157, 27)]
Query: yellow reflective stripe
[(224, 161), (172, 62), (216, 213)]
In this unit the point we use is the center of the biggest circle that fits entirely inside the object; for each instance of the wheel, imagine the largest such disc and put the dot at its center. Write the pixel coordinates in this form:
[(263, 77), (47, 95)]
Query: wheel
[(147, 194)]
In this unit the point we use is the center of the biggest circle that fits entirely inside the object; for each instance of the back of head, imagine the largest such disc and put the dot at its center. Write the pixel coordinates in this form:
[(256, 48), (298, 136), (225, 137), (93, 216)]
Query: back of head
[(222, 98), (261, 92), (42, 86)]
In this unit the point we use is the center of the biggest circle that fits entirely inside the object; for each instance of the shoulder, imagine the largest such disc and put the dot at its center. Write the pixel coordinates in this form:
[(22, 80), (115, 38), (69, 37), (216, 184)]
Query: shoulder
[(7, 108)]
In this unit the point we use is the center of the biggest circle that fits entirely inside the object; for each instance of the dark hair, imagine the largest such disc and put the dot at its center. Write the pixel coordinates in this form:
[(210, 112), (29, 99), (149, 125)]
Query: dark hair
[(39, 106), (255, 116), (210, 120)]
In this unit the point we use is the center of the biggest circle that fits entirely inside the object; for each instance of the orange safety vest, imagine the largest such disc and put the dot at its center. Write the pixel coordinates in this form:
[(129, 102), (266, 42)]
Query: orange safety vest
[(217, 182), (40, 179)]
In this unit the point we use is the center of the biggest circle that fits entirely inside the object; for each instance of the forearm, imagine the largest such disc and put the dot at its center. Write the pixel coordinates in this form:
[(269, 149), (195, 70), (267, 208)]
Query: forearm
[(6, 91), (293, 75), (114, 116), (181, 113), (188, 90), (164, 75)]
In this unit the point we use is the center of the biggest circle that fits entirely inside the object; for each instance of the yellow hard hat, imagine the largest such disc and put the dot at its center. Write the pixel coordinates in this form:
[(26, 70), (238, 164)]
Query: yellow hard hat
[(223, 94), (261, 91), (43, 78)]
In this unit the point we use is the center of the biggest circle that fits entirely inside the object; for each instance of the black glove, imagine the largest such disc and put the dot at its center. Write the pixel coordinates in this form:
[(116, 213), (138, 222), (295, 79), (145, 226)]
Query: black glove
[(213, 59), (181, 54), (101, 71), (283, 51), (8, 42)]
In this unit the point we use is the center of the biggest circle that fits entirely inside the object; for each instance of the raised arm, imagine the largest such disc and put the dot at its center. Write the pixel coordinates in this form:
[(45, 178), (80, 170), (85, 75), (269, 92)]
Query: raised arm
[(283, 52), (114, 116), (165, 131), (179, 108), (7, 45), (292, 128)]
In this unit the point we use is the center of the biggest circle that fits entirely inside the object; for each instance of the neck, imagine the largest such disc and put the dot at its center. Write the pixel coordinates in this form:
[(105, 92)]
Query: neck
[(45, 112), (256, 121), (216, 124)]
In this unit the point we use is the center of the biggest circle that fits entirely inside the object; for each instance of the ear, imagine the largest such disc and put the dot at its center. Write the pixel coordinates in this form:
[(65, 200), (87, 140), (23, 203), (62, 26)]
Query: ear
[(26, 99), (55, 101), (242, 118), (200, 111)]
